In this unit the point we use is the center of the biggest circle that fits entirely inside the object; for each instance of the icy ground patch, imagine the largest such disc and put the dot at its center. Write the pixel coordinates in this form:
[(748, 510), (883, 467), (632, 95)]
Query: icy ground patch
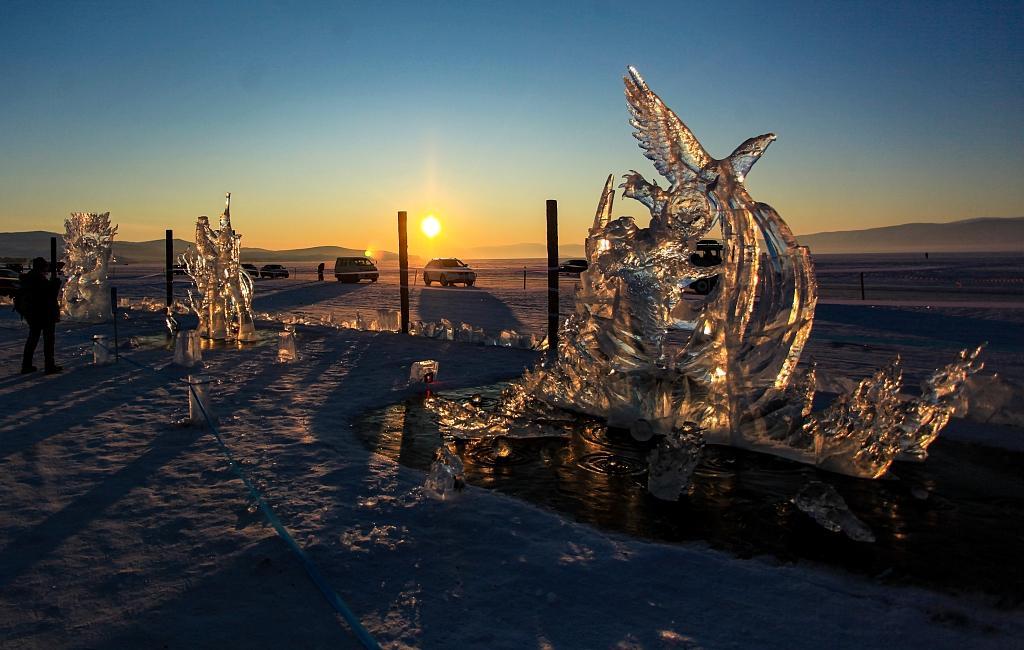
[(121, 529)]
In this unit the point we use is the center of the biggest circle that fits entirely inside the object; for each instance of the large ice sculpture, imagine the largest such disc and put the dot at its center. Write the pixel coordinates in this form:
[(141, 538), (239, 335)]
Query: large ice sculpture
[(88, 237), (733, 378), (223, 290)]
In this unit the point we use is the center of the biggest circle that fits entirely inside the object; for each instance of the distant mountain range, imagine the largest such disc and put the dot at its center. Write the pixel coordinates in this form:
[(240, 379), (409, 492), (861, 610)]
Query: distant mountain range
[(988, 234), (32, 244), (985, 234)]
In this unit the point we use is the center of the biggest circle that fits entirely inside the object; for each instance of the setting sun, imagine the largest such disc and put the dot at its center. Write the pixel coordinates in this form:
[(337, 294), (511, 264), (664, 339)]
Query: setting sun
[(430, 226)]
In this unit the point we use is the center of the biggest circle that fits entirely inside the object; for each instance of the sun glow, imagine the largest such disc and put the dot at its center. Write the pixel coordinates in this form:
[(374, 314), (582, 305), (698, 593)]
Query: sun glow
[(430, 226)]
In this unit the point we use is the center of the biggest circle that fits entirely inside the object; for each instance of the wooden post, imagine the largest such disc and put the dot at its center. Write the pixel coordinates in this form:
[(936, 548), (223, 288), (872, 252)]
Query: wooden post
[(53, 258), (524, 277), (403, 267), (168, 264), (552, 214), (113, 312), (862, 285)]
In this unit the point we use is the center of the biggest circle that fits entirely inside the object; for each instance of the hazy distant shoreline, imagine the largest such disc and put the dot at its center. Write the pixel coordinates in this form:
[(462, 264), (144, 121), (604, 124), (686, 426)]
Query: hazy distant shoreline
[(984, 235)]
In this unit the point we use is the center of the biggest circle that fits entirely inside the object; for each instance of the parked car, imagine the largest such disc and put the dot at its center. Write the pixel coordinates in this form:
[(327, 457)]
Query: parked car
[(9, 282), (251, 269), (273, 271), (573, 267), (707, 254), (353, 269), (448, 271)]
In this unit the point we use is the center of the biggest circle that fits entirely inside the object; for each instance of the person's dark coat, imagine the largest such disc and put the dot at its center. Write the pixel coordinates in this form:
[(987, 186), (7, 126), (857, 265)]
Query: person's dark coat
[(39, 299)]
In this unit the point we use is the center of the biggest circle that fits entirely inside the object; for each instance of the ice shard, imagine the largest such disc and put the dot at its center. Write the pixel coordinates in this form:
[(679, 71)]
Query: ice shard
[(222, 296), (88, 240), (827, 508), (690, 328)]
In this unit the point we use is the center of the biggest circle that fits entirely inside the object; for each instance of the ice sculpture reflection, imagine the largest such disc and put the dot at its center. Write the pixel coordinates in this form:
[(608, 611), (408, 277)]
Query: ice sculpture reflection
[(88, 241), (734, 380), (223, 290)]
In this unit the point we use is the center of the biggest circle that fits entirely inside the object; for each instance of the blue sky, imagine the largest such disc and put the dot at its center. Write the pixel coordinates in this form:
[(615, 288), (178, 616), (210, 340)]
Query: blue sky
[(324, 119)]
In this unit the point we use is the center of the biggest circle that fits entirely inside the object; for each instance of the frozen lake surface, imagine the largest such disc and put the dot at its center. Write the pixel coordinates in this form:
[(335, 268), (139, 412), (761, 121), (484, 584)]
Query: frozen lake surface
[(121, 528)]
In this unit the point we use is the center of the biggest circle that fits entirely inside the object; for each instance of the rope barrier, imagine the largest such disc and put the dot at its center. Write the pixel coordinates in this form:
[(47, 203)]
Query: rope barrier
[(310, 567), (307, 563)]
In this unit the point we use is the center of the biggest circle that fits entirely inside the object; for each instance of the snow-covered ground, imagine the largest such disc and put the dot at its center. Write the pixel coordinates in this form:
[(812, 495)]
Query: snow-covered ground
[(123, 529)]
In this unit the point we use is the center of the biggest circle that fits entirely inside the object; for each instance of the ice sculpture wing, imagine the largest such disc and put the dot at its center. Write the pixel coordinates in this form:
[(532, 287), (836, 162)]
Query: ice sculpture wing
[(676, 153)]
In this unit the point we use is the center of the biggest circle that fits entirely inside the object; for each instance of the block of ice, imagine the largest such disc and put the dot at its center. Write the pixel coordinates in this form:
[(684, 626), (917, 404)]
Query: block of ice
[(286, 351), (825, 506), (187, 349), (100, 350), (423, 371), (446, 475), (199, 408)]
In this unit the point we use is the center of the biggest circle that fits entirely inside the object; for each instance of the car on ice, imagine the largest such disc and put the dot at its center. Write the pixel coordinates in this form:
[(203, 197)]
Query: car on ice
[(573, 267), (448, 271), (273, 271), (251, 270), (9, 282), (354, 269)]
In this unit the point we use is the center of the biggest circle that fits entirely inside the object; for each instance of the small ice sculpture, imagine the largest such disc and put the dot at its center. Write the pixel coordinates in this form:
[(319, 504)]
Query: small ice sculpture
[(223, 290), (88, 237), (286, 352), (423, 372), (733, 380), (823, 504), (187, 349), (672, 462)]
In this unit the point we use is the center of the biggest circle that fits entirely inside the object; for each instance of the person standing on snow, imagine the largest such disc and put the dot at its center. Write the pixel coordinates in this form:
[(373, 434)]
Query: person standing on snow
[(37, 303)]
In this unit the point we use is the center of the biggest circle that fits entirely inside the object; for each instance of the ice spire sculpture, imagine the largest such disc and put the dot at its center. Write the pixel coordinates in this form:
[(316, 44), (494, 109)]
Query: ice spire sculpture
[(223, 290), (88, 238), (734, 378)]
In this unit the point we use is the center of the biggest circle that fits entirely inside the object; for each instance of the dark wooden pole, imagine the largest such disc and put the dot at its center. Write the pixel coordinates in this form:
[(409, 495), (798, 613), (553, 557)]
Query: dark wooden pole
[(168, 264), (552, 209), (113, 312), (524, 277), (403, 267), (862, 285), (53, 258)]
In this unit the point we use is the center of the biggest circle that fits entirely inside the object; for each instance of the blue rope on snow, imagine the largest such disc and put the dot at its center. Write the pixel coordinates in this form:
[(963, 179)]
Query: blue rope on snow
[(307, 563), (332, 597)]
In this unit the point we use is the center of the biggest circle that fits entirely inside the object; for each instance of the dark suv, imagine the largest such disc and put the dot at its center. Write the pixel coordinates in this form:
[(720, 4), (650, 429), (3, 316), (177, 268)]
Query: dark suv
[(354, 269), (573, 267), (273, 271)]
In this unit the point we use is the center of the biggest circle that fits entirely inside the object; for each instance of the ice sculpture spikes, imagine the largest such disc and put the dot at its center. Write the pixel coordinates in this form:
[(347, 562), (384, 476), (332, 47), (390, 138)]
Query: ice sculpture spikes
[(734, 379), (223, 290), (88, 240)]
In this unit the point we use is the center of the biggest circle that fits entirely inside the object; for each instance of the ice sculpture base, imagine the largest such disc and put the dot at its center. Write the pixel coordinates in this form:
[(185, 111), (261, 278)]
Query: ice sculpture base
[(737, 501)]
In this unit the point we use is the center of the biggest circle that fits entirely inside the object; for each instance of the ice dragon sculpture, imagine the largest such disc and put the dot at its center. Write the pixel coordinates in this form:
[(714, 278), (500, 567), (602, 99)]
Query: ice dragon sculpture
[(223, 290), (88, 238), (645, 352)]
